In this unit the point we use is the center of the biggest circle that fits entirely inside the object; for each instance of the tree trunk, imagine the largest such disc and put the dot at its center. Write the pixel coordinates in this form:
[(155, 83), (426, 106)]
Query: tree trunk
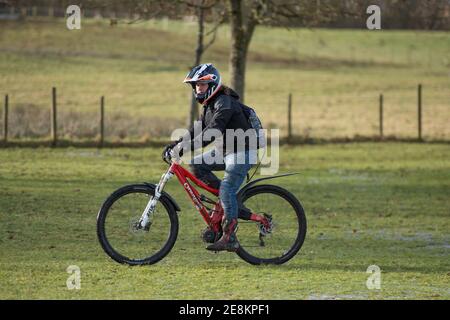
[(241, 34), (193, 114), (238, 57)]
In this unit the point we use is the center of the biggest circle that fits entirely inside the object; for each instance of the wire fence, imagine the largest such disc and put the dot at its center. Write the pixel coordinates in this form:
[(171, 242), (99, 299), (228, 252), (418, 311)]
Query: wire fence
[(416, 116)]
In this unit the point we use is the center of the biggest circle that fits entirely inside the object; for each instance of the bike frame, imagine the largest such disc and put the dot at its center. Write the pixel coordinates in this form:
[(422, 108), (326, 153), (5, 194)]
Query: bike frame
[(184, 176)]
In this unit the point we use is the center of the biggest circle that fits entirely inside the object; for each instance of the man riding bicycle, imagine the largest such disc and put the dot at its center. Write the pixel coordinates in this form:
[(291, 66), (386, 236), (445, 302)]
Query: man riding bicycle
[(222, 111), (262, 206)]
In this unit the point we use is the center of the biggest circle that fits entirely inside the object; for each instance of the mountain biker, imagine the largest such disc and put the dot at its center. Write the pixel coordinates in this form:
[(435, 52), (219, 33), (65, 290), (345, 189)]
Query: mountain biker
[(221, 111)]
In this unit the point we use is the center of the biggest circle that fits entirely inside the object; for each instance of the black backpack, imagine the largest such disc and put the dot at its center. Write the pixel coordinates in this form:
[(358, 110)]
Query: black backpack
[(254, 123)]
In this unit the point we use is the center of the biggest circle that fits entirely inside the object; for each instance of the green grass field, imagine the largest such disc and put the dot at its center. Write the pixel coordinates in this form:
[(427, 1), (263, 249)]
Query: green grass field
[(384, 204), (335, 77)]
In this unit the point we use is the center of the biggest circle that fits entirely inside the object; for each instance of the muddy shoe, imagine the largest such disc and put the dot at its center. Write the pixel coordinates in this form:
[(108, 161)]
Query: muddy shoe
[(228, 241)]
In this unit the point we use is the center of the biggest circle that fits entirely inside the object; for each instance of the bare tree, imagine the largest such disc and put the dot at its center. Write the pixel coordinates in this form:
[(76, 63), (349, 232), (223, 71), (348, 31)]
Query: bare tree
[(245, 15), (201, 8), (433, 14), (143, 10)]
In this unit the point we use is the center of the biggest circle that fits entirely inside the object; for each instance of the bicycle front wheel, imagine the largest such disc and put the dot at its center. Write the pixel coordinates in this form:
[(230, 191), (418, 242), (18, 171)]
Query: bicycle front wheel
[(118, 232), (286, 234)]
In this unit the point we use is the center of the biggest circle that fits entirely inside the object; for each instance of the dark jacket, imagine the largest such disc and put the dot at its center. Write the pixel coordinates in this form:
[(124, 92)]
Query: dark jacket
[(223, 111)]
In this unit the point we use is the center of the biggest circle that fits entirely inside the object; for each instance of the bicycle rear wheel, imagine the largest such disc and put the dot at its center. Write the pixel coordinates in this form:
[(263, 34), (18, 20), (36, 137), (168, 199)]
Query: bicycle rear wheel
[(118, 232), (281, 242)]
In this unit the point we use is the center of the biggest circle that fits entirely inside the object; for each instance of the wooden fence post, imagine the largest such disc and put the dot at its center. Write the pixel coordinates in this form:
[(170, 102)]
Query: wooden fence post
[(53, 118), (102, 120), (5, 120), (419, 111), (290, 116), (381, 115)]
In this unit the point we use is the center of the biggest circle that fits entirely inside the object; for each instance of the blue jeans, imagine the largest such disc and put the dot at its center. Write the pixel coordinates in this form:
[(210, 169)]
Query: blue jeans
[(236, 166)]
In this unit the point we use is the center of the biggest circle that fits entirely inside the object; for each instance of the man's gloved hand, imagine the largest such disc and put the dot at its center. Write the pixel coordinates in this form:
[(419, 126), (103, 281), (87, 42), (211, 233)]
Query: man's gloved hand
[(169, 147), (177, 151)]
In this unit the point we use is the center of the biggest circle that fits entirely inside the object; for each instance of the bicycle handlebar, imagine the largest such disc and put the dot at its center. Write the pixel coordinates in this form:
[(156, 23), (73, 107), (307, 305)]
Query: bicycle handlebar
[(166, 157)]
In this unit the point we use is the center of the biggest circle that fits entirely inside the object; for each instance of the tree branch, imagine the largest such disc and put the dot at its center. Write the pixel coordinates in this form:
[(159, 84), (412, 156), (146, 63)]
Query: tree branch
[(199, 6)]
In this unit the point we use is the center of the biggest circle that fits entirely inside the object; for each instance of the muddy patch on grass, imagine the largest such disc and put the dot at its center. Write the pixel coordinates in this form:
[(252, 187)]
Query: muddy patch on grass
[(422, 240)]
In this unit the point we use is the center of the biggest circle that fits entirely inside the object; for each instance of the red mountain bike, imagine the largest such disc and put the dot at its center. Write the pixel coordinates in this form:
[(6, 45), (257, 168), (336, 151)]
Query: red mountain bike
[(138, 224)]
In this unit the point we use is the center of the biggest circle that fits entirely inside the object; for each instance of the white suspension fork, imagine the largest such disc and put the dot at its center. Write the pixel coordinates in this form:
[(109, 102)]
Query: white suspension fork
[(151, 205)]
